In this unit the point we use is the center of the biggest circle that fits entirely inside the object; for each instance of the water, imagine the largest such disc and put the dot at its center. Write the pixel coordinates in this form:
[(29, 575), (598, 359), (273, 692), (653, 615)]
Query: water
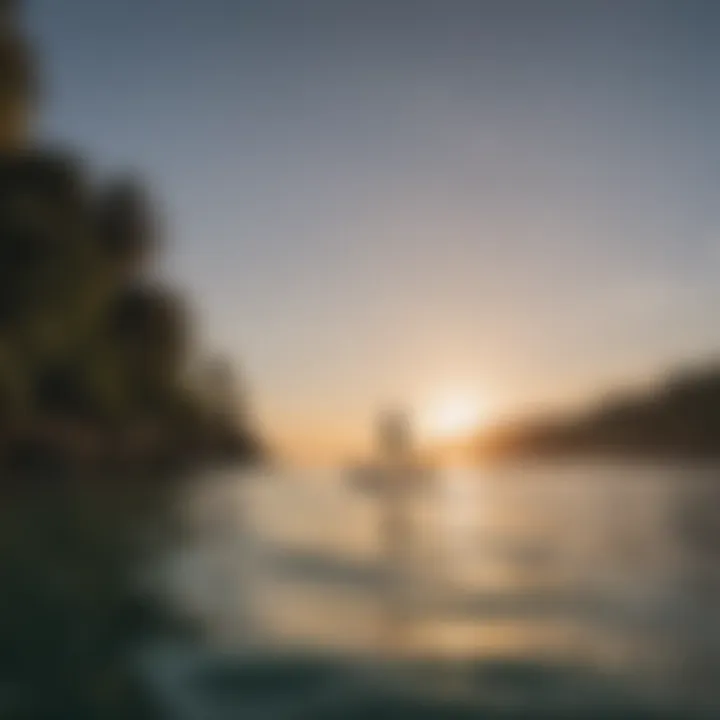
[(605, 571), (574, 591)]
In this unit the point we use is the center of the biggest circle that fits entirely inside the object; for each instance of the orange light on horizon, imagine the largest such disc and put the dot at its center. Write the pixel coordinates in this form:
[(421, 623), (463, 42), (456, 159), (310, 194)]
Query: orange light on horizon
[(454, 417)]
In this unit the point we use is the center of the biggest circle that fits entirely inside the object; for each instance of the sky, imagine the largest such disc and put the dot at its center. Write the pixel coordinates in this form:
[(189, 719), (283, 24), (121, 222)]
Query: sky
[(401, 201)]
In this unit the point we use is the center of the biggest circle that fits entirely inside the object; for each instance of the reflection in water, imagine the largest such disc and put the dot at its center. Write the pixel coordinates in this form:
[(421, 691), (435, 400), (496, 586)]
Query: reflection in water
[(75, 608), (573, 592), (573, 567), (696, 643)]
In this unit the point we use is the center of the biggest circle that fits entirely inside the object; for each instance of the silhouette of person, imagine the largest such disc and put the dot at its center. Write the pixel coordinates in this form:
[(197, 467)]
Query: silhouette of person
[(395, 480)]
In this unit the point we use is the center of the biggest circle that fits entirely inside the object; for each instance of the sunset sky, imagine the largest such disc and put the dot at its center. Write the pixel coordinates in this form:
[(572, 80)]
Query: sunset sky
[(412, 201)]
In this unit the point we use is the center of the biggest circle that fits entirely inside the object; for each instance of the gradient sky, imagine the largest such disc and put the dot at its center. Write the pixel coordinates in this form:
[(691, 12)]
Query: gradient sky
[(373, 200)]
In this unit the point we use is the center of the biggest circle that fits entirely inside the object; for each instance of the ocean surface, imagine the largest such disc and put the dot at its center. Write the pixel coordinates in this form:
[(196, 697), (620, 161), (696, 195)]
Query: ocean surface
[(572, 590)]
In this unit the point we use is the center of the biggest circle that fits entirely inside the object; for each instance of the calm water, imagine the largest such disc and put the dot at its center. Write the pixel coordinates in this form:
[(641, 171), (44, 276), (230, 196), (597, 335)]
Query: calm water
[(571, 592), (611, 572)]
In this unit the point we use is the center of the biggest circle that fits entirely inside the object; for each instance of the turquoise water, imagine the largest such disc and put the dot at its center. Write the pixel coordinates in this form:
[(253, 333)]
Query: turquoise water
[(572, 590)]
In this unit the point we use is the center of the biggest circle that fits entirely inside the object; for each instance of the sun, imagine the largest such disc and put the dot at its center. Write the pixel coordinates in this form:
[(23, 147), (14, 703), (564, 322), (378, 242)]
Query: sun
[(454, 418)]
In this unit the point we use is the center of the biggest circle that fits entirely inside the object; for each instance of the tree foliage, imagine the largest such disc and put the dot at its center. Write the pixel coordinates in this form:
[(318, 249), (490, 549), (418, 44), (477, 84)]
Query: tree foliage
[(85, 338)]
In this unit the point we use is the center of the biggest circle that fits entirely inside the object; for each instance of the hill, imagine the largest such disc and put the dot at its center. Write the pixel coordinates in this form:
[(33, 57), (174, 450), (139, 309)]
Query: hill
[(678, 418)]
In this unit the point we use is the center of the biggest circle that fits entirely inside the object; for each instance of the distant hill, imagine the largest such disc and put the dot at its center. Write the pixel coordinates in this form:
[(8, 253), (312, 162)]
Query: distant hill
[(678, 418)]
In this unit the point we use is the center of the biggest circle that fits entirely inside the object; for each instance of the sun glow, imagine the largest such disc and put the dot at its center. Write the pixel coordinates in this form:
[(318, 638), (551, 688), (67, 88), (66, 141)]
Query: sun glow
[(454, 418)]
